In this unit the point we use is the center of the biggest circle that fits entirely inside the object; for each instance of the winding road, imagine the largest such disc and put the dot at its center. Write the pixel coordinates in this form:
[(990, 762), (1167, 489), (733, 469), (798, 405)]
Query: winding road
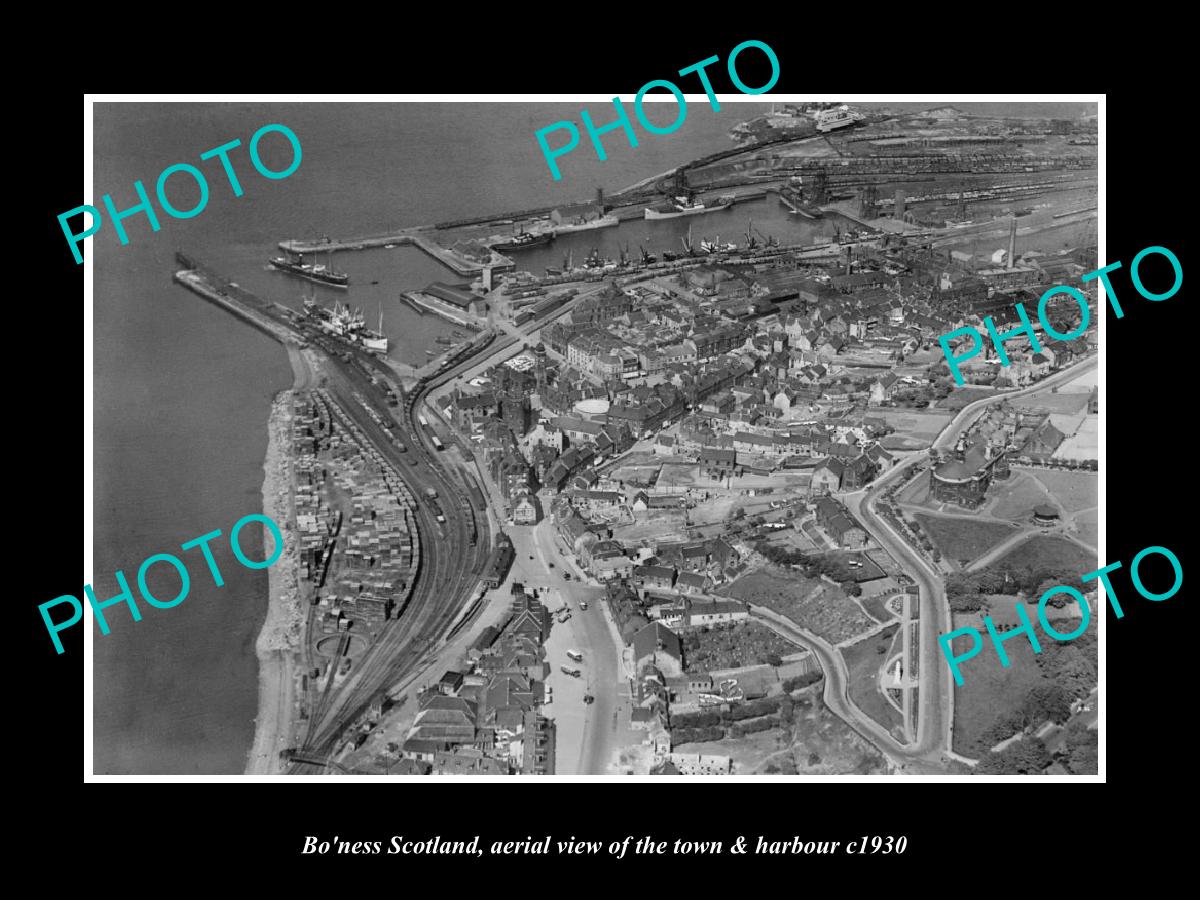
[(932, 750)]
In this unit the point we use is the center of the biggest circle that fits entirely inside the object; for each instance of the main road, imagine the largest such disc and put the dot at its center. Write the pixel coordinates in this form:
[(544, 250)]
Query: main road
[(935, 713)]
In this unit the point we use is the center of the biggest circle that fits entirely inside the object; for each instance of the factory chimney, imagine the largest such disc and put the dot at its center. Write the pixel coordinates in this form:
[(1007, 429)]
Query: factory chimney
[(898, 209), (1012, 243), (600, 198)]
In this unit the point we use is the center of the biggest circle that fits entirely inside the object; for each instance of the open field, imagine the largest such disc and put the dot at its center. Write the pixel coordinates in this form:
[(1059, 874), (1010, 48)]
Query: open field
[(1046, 551), (916, 492), (782, 480), (919, 426), (1073, 490), (989, 690), (1015, 497), (809, 602), (863, 660), (964, 396), (1066, 403), (635, 475), (868, 571), (877, 607), (733, 646), (683, 476), (898, 442), (1089, 530), (1085, 444), (961, 539)]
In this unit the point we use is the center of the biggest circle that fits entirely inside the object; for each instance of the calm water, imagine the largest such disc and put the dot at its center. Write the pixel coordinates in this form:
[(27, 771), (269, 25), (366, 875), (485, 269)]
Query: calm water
[(182, 389)]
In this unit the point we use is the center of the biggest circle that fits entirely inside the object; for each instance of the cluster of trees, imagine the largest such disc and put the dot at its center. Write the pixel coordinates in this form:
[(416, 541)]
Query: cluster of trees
[(792, 684), (740, 720), (1027, 756), (1089, 465), (1071, 664), (811, 565), (765, 723), (1044, 702), (1009, 580), (1082, 754), (696, 735)]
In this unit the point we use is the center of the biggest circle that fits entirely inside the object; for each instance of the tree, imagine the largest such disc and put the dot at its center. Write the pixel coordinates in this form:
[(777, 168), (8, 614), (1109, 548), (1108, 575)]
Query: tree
[(1049, 701), (1027, 756), (774, 659), (1082, 749)]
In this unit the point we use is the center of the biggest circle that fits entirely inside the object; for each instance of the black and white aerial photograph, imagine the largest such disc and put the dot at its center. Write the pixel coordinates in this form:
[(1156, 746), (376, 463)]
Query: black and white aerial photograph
[(751, 449)]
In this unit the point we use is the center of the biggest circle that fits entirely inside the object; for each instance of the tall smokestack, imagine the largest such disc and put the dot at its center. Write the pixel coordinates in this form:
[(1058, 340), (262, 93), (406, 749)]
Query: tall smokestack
[(1012, 243), (899, 207)]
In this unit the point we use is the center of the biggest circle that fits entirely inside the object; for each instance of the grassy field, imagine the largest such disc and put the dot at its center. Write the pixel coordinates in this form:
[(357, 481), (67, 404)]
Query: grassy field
[(877, 606), (1047, 551), (899, 442), (964, 396), (682, 476), (1073, 490), (868, 571), (962, 540), (916, 492), (1016, 497), (918, 426), (809, 602), (1068, 404), (1089, 531), (1085, 444), (863, 660), (989, 690)]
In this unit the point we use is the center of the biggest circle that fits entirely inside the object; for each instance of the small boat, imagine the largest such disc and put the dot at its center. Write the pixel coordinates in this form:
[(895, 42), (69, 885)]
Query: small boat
[(389, 246)]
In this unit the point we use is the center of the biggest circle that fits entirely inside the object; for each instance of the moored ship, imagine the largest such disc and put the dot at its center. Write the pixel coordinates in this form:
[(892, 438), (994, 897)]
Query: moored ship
[(525, 240), (793, 199), (687, 206), (832, 119), (312, 271), (347, 323), (374, 340)]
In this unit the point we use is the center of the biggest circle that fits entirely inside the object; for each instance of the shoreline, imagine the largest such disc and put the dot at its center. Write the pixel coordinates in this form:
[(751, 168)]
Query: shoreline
[(282, 632)]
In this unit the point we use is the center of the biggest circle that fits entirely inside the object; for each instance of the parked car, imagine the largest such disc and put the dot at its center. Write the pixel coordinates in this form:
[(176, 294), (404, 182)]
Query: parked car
[(588, 698)]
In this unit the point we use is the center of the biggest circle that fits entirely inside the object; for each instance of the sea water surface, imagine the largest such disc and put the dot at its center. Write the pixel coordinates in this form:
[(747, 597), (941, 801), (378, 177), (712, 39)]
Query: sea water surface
[(182, 389)]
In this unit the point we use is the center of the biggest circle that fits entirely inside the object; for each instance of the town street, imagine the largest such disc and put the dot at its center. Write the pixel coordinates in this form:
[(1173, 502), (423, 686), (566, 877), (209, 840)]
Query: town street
[(588, 734)]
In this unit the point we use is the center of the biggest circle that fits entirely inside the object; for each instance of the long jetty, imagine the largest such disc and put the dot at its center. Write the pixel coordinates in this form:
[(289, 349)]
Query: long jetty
[(461, 264), (233, 299)]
